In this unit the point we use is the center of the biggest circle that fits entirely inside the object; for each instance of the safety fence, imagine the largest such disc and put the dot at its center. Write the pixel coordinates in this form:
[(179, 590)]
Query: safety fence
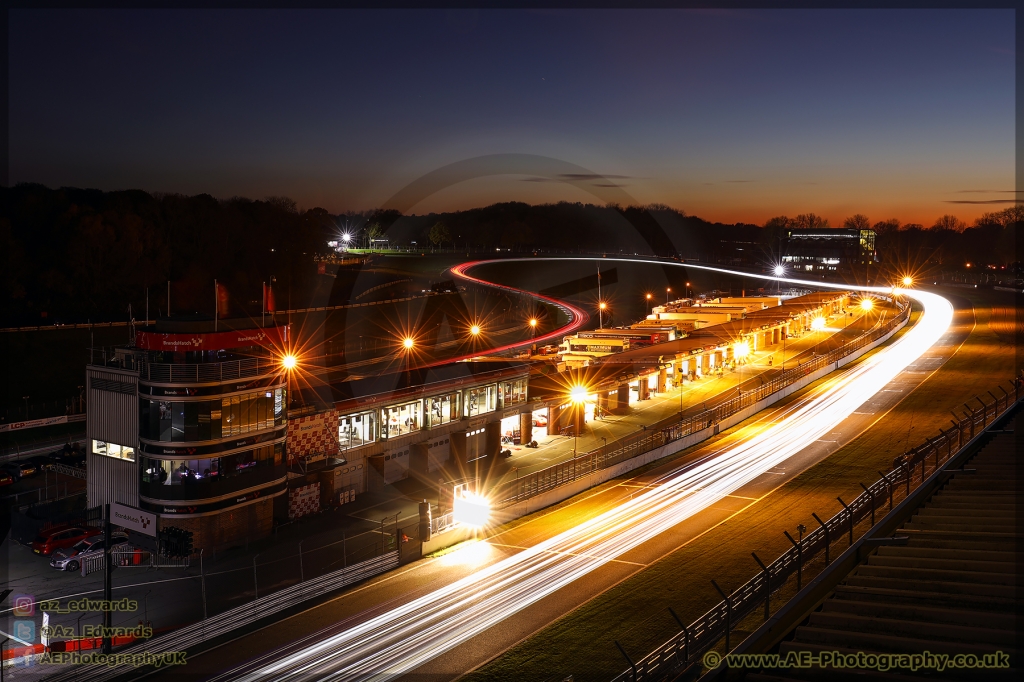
[(241, 616), (673, 428), (910, 470)]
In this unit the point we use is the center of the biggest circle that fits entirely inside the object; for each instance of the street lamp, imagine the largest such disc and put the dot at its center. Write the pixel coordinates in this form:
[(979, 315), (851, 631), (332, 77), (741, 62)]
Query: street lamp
[(408, 343), (289, 361), (601, 307), (475, 330), (907, 281), (779, 271), (668, 291), (866, 304), (649, 303), (578, 396)]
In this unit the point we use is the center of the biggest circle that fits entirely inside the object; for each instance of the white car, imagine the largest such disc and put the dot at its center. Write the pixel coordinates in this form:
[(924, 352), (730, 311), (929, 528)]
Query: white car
[(71, 559)]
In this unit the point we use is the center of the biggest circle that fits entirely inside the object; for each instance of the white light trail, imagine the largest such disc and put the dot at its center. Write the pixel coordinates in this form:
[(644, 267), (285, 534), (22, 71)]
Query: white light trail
[(406, 637)]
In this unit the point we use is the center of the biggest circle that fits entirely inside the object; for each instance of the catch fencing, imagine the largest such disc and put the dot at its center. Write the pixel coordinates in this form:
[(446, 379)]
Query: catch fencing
[(674, 428), (910, 470)]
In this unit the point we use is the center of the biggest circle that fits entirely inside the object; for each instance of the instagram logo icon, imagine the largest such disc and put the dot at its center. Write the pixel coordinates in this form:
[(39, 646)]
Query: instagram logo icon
[(24, 605)]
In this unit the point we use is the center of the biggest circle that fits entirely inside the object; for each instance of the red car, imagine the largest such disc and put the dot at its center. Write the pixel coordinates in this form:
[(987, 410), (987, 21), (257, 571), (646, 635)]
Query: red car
[(61, 538), (6, 479)]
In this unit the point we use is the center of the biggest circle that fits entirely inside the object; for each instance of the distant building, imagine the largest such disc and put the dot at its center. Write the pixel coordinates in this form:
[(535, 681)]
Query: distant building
[(828, 250)]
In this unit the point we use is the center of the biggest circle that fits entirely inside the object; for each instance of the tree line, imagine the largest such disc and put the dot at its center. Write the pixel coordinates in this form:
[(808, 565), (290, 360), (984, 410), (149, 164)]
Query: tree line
[(77, 254)]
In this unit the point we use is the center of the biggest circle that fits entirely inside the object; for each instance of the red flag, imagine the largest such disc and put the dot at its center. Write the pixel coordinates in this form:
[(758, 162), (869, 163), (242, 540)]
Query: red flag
[(222, 301), (268, 296)]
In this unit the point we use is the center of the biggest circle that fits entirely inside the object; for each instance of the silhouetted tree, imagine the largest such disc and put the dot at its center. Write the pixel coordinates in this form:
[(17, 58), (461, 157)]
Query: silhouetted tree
[(857, 221), (439, 234)]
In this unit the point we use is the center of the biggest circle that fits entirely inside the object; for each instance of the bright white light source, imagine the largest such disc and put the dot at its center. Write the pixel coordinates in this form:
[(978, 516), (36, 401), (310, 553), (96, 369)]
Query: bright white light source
[(818, 323), (907, 281), (866, 304), (346, 237), (578, 394), (471, 509), (474, 330), (408, 342), (779, 271), (289, 361), (741, 349)]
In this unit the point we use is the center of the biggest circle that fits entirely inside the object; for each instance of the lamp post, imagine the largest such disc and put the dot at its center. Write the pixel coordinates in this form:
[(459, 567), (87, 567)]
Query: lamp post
[(601, 307), (649, 303), (668, 293), (578, 396)]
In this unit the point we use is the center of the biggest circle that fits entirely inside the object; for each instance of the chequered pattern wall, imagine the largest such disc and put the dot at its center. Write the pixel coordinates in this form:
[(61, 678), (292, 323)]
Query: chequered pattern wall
[(313, 434), (303, 500)]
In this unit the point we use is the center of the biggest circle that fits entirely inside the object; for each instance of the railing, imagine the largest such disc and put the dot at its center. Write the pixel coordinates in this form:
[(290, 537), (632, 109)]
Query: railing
[(222, 623), (686, 647), (442, 523), (673, 428), (76, 472), (207, 372)]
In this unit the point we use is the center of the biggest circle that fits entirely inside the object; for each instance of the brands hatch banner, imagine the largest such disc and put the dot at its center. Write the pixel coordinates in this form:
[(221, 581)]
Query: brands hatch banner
[(14, 426), (269, 336), (133, 519)]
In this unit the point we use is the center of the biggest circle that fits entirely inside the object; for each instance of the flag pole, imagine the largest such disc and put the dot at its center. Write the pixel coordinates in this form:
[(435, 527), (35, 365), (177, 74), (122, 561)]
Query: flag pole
[(263, 311), (216, 305), (168, 298)]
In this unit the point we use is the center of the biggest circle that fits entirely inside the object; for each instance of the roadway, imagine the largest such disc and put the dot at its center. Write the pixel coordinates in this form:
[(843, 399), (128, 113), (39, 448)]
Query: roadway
[(449, 605)]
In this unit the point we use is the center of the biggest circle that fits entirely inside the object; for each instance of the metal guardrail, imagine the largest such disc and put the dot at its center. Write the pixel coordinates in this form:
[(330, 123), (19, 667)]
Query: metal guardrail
[(210, 372), (74, 472), (442, 523), (246, 614), (674, 428), (686, 647)]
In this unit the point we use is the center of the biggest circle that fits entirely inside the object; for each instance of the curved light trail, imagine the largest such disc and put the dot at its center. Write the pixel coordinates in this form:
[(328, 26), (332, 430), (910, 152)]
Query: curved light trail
[(404, 638), (577, 316)]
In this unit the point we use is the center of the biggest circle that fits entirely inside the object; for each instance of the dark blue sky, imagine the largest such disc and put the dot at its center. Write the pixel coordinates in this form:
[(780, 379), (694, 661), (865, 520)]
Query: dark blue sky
[(731, 115)]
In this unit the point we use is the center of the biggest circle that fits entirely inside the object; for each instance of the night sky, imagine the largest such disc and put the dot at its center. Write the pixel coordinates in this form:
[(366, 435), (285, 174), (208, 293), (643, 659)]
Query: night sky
[(729, 115)]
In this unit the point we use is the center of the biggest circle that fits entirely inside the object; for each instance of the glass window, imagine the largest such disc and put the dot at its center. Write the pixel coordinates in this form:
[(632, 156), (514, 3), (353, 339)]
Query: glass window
[(191, 422), (164, 408), (442, 409), (177, 422), (203, 427), (261, 412), (356, 429), (513, 392), (279, 400), (399, 420), (114, 450), (215, 419), (481, 400)]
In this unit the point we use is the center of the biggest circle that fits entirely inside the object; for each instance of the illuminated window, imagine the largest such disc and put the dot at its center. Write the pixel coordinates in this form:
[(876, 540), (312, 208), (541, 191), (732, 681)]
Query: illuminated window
[(481, 400), (513, 392), (442, 409), (114, 450), (356, 429), (399, 420)]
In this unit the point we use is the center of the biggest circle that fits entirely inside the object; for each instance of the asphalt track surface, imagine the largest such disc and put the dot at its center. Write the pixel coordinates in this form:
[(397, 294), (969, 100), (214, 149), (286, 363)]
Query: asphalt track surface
[(438, 617)]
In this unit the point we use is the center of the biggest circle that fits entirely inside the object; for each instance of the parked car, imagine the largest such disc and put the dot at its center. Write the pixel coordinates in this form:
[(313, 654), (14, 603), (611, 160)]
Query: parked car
[(71, 559), (19, 470), (5, 478), (40, 461), (47, 542), (540, 420)]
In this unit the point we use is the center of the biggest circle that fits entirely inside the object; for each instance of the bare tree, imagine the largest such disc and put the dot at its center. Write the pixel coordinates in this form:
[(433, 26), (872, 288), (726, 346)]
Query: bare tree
[(810, 221), (889, 226), (949, 222), (439, 234), (858, 221)]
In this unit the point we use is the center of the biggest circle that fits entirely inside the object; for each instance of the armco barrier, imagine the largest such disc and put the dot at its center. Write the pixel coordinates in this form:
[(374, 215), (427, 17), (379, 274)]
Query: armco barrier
[(246, 614), (685, 648)]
